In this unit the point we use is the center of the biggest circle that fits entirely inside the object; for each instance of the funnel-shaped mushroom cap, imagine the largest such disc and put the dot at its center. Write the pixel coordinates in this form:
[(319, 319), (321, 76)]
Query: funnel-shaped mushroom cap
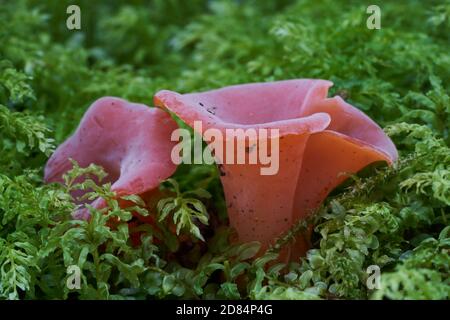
[(130, 141), (319, 138)]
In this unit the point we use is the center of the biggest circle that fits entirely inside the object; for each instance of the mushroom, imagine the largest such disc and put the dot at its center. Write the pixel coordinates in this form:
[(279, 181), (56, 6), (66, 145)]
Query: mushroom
[(319, 138), (130, 141)]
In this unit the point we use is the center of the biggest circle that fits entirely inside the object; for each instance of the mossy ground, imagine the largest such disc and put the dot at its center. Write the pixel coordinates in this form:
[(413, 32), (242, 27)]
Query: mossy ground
[(396, 218)]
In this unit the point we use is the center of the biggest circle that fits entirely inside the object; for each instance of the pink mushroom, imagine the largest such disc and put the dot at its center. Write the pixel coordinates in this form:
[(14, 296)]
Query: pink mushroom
[(319, 138), (130, 141)]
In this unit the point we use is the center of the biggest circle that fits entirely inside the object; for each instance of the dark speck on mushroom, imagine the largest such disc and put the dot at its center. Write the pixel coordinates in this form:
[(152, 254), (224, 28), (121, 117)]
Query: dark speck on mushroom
[(222, 172), (250, 148)]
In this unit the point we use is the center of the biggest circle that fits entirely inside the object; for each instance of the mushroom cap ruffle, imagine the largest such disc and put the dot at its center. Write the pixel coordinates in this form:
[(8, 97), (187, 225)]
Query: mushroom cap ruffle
[(130, 141), (247, 106)]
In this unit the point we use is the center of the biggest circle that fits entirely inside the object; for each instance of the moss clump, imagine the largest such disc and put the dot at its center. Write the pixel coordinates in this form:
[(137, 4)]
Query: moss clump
[(396, 218)]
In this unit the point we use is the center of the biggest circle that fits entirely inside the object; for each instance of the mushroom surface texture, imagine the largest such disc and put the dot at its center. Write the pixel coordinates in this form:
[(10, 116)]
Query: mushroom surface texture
[(320, 141), (130, 141)]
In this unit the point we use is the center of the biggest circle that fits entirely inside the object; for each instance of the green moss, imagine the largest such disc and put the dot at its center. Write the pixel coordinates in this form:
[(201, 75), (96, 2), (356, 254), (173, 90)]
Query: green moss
[(396, 218)]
